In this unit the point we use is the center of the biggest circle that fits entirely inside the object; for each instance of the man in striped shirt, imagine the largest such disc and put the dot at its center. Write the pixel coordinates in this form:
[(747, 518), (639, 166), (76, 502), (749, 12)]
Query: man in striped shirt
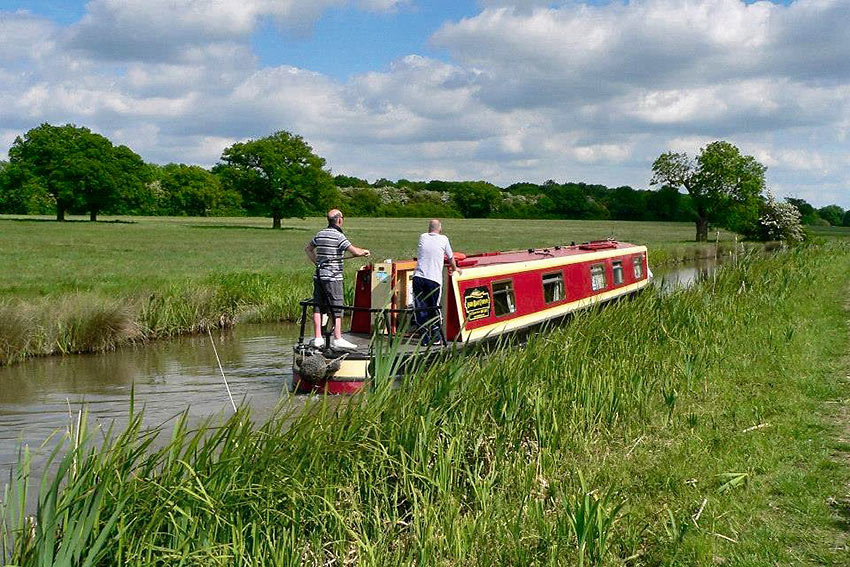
[(326, 252)]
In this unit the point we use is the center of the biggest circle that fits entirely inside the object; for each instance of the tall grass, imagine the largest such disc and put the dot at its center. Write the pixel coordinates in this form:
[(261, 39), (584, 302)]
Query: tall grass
[(592, 445), (75, 323), (90, 322)]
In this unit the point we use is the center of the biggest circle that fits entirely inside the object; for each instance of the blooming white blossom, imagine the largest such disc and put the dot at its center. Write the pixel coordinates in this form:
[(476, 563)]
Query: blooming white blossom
[(781, 221)]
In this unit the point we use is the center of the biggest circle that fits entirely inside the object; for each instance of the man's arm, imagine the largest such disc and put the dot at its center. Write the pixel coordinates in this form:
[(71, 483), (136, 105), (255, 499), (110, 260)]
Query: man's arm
[(310, 249), (451, 255), (355, 251)]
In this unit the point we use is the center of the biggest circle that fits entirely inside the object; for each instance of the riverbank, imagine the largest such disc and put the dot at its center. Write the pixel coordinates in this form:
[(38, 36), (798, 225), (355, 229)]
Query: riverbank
[(692, 428), (80, 287)]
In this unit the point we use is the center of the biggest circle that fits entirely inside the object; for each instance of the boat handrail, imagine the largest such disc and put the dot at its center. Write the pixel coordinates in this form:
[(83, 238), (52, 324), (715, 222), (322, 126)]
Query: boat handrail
[(310, 303), (387, 312)]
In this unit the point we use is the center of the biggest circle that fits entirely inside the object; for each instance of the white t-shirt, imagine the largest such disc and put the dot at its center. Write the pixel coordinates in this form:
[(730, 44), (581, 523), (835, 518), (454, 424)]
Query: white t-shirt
[(430, 254)]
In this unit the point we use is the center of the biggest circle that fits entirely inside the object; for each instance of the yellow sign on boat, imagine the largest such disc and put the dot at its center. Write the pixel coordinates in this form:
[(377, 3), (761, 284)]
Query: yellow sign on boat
[(476, 303)]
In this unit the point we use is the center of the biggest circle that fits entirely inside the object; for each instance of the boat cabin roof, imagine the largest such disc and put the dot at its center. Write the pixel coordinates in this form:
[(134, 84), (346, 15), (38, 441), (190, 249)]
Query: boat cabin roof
[(511, 256)]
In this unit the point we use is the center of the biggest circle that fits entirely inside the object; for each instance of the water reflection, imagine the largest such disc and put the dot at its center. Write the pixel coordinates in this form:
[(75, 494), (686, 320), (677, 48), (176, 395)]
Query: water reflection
[(684, 276)]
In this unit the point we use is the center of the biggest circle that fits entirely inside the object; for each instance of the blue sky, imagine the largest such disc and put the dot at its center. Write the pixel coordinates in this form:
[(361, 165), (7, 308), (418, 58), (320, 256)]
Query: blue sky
[(346, 41), (501, 90)]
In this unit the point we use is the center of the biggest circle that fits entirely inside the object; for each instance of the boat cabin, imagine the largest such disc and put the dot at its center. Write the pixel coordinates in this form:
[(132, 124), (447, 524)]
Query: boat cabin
[(497, 292)]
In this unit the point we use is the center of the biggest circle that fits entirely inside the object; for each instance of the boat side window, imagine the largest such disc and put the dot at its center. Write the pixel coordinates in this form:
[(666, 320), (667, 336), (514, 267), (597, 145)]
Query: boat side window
[(638, 264), (553, 287), (618, 272), (597, 277), (503, 298)]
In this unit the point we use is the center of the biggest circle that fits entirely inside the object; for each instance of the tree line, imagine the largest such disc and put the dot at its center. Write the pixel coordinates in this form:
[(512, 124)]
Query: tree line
[(71, 170)]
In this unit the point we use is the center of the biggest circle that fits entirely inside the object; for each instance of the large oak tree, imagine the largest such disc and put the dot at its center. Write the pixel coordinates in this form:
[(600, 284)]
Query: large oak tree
[(80, 169), (721, 181), (277, 176)]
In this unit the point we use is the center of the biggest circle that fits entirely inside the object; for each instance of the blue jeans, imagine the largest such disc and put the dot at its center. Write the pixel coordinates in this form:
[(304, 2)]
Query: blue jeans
[(426, 302)]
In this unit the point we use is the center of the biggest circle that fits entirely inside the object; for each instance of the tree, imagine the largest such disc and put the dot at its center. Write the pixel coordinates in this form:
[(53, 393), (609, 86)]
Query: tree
[(528, 189), (278, 175), (363, 202), (476, 199), (82, 170), (833, 214), (22, 195), (624, 203), (348, 181), (780, 221), (720, 181), (573, 201), (808, 214), (191, 190), (383, 182), (664, 204)]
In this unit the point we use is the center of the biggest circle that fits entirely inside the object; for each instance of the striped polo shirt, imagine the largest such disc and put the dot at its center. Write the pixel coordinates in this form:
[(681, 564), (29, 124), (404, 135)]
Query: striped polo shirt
[(330, 244)]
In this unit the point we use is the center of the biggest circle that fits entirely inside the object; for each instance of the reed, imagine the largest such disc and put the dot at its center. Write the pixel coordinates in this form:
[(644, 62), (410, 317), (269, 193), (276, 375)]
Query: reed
[(593, 444), (77, 323), (90, 322)]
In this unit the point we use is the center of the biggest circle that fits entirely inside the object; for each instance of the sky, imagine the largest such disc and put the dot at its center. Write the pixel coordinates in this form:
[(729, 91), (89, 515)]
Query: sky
[(498, 90)]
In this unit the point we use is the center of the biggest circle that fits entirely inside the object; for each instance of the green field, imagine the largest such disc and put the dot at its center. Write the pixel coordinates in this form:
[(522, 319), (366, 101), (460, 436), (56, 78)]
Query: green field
[(829, 231), (42, 257), (80, 286), (701, 427)]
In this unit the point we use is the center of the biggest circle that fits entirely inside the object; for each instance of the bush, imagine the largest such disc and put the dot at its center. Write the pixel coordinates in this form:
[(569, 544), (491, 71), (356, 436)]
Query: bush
[(780, 221)]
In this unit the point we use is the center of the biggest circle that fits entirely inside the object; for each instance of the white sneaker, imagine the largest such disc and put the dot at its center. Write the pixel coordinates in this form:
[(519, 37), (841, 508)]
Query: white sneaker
[(318, 342), (342, 344)]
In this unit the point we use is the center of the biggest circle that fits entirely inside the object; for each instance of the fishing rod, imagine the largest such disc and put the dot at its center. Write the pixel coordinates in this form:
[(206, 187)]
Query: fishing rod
[(226, 385)]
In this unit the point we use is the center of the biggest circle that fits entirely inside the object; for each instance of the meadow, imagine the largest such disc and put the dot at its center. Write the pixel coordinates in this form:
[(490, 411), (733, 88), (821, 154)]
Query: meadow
[(81, 287), (699, 427)]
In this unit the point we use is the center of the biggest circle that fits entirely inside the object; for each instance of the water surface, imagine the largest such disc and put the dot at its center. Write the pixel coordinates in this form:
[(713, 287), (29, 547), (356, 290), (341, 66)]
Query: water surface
[(168, 377)]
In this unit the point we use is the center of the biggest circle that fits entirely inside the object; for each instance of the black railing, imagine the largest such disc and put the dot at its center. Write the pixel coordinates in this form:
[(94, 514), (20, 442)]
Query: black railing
[(385, 313)]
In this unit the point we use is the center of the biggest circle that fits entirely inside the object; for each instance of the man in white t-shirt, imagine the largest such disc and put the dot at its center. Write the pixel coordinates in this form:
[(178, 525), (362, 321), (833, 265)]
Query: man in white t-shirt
[(428, 278)]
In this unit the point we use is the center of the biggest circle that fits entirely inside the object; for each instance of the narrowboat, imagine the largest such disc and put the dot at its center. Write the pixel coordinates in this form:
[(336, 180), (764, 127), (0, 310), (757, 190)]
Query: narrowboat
[(493, 293)]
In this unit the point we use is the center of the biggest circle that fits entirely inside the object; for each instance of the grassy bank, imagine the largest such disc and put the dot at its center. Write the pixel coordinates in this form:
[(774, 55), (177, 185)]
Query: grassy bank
[(87, 287), (687, 429)]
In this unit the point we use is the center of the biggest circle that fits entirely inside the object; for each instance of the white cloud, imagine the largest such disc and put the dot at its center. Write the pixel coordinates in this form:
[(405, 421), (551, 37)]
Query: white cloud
[(611, 153), (382, 5), (162, 30), (22, 36), (530, 90)]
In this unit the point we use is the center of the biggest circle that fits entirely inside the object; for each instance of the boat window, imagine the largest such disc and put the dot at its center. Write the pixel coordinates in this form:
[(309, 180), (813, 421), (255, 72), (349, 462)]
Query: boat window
[(597, 277), (503, 298), (553, 287), (618, 272), (638, 264)]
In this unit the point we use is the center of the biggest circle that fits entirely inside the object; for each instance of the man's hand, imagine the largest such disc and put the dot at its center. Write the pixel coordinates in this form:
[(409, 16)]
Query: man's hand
[(355, 251), (311, 251)]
